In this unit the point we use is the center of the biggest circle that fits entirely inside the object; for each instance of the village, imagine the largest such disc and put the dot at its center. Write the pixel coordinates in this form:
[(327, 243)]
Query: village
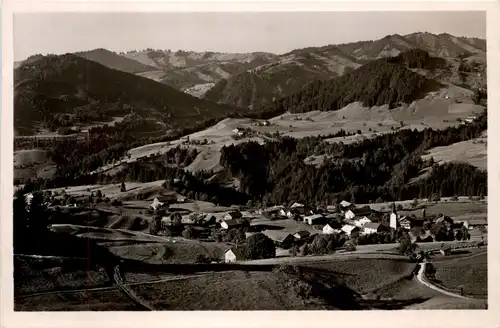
[(293, 227)]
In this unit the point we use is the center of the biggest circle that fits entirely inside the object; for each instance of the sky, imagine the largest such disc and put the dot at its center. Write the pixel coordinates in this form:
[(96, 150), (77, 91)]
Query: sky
[(277, 32)]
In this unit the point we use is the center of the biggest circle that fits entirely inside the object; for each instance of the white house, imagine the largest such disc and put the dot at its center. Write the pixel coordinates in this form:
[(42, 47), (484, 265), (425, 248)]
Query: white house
[(283, 212), (236, 131), (328, 230), (345, 204), (349, 229), (233, 255), (229, 224), (349, 215), (370, 228), (312, 219), (156, 204), (300, 235), (361, 222)]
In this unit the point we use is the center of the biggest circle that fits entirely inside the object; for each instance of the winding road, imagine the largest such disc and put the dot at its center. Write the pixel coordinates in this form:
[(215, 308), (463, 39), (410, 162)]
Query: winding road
[(422, 280)]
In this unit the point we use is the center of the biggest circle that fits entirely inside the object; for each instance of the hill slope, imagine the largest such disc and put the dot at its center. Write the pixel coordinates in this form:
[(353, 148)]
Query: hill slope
[(374, 84), (262, 85), (57, 91), (268, 82), (115, 61), (186, 69)]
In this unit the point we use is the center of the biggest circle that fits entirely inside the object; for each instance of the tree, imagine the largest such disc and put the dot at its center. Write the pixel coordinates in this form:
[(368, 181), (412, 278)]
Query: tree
[(122, 187), (188, 232), (202, 259), (259, 246), (406, 247), (99, 194), (305, 250)]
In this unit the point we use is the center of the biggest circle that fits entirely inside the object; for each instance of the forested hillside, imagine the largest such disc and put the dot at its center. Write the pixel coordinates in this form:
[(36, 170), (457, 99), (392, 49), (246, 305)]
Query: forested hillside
[(376, 83), (379, 168), (58, 91)]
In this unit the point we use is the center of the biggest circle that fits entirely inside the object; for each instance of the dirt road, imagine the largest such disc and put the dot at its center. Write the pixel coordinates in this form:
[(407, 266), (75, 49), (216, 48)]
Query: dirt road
[(422, 280)]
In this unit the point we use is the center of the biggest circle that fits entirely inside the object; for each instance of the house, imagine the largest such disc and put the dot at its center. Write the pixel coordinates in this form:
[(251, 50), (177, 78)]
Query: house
[(344, 205), (302, 234), (234, 223), (361, 222), (274, 209), (233, 215), (371, 227), (445, 250), (404, 223), (281, 238), (349, 214), (349, 229), (294, 205), (283, 212), (313, 219), (234, 254), (236, 131), (156, 204), (328, 230), (331, 208), (181, 199)]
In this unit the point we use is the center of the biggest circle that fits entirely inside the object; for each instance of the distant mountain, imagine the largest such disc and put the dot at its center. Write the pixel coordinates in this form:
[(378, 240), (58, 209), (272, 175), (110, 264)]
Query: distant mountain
[(115, 61), (269, 82), (263, 84), (55, 91), (187, 69)]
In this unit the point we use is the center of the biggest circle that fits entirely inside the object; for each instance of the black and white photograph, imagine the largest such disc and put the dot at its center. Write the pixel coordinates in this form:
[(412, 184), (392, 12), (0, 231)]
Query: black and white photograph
[(249, 161)]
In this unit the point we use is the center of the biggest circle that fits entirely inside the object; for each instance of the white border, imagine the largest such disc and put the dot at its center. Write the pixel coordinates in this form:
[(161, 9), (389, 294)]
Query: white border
[(423, 318)]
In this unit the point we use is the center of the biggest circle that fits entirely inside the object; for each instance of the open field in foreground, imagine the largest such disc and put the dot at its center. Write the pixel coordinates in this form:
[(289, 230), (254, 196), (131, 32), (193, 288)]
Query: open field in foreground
[(365, 274), (470, 273), (108, 300), (231, 290), (33, 275)]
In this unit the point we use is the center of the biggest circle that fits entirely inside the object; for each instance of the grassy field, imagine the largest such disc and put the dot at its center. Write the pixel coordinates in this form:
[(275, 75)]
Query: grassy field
[(434, 111), (32, 163), (364, 275), (109, 300), (450, 303), (33, 275), (473, 152), (172, 250), (232, 290), (469, 273)]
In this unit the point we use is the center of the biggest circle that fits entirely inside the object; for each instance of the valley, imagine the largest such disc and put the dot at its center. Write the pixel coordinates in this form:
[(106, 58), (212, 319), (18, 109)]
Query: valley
[(344, 177)]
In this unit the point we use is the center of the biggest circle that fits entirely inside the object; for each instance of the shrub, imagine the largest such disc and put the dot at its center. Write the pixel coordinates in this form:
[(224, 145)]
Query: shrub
[(350, 246), (188, 232), (259, 246), (305, 250), (202, 259), (435, 198)]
